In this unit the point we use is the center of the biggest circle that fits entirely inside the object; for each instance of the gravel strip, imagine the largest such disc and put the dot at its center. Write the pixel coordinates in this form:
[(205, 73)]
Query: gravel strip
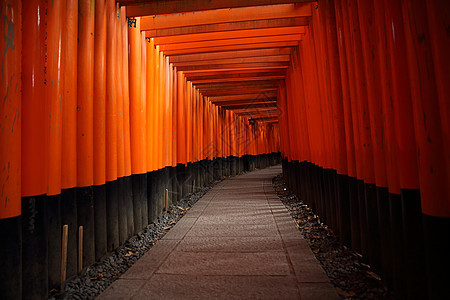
[(101, 275), (350, 276)]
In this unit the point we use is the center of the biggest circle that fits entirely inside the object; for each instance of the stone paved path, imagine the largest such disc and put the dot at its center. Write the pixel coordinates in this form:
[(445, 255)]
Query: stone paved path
[(237, 242)]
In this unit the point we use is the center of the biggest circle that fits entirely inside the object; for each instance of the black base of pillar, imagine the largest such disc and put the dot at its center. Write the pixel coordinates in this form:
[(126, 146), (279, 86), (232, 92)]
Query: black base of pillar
[(363, 220), (137, 208), (69, 203), (343, 200), (385, 235), (123, 216), (373, 231), (11, 256), (437, 249), (54, 230), (112, 215), (85, 216), (399, 273), (414, 244), (34, 249), (100, 218), (354, 213), (128, 204)]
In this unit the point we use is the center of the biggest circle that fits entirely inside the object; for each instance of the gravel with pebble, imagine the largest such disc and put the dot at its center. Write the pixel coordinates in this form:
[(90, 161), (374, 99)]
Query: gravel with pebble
[(352, 278), (96, 278)]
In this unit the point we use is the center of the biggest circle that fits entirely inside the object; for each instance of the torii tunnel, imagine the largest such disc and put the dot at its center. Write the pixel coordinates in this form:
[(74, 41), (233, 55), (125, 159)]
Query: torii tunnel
[(112, 110)]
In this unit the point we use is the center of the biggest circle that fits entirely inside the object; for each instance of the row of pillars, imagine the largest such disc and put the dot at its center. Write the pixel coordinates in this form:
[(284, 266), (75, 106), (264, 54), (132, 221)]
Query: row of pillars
[(365, 134), (95, 125)]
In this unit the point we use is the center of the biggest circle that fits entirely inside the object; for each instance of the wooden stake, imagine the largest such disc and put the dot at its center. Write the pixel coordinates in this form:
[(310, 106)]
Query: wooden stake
[(167, 199), (80, 249), (64, 253), (193, 187)]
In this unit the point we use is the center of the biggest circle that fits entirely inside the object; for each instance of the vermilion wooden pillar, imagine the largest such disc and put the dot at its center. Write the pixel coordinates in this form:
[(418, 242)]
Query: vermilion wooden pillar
[(111, 128), (54, 90), (85, 129), (430, 114), (137, 120), (401, 153), (100, 129), (137, 107), (124, 190), (390, 145), (33, 152), (341, 148), (124, 79), (126, 91), (356, 166), (10, 150)]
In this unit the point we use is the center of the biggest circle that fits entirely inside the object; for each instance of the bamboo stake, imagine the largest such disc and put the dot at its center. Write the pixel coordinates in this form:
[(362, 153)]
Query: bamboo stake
[(167, 200), (80, 249), (64, 253)]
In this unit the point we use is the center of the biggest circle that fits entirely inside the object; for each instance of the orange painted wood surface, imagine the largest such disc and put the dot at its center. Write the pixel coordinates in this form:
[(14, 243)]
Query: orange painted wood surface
[(10, 111), (34, 121)]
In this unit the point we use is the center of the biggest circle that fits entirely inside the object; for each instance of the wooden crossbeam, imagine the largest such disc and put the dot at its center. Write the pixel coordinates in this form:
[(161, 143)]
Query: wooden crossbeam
[(243, 97), (240, 85), (236, 79), (231, 42), (236, 91), (235, 71), (255, 65), (246, 101), (262, 75), (237, 60), (249, 106), (218, 16), (235, 34), (159, 7), (200, 57), (232, 48), (224, 27)]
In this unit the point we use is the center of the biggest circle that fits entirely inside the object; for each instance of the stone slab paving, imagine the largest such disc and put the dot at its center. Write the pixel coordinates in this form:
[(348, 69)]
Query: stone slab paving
[(237, 242)]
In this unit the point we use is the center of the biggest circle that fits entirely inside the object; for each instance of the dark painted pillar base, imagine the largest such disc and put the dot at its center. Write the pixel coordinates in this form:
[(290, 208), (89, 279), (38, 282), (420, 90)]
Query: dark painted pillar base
[(179, 181), (437, 249), (85, 216), (128, 204), (385, 235), (196, 176), (223, 167), (54, 229), (112, 215), (11, 257), (217, 169), (160, 191), (328, 196), (343, 194), (154, 194), (69, 217), (166, 185), (34, 249), (100, 218), (247, 163), (398, 247), (354, 213), (414, 244), (137, 203), (123, 216), (363, 220), (373, 237), (174, 181), (210, 171), (143, 197)]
